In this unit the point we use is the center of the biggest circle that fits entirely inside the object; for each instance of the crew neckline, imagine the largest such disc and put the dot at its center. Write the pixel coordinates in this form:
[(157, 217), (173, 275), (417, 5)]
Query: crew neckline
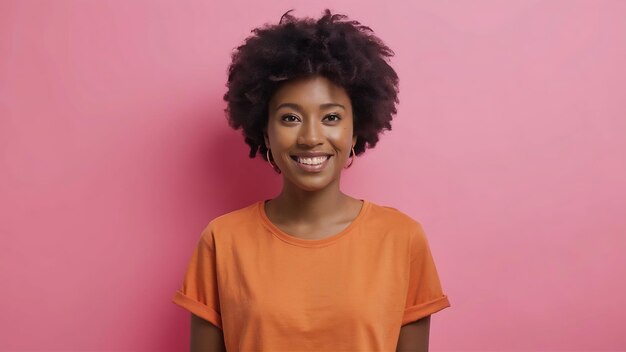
[(276, 231)]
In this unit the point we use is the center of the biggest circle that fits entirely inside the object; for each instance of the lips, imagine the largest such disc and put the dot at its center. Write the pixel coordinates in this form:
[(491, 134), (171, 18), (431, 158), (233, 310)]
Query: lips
[(311, 164), (311, 154), (315, 160)]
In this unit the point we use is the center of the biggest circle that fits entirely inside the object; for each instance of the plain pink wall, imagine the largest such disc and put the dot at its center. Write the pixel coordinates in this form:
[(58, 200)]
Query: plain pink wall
[(509, 146)]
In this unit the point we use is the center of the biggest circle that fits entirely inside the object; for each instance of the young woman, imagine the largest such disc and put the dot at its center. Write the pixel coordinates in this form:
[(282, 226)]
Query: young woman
[(312, 269)]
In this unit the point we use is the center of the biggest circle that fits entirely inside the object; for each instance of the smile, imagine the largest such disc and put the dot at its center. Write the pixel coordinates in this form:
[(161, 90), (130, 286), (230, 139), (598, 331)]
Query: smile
[(313, 164)]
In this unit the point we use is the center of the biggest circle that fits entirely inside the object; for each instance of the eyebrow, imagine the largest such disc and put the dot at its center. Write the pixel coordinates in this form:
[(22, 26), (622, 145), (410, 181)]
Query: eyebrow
[(299, 108)]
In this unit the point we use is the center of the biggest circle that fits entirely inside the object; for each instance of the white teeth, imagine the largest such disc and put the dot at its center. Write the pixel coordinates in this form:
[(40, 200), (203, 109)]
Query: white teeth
[(312, 161)]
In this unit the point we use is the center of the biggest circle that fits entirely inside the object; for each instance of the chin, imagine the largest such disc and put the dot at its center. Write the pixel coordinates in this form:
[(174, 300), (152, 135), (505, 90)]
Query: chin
[(310, 185), (311, 181)]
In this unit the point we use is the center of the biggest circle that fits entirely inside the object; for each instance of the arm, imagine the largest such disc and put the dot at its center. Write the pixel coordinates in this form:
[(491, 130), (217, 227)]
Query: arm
[(414, 336), (205, 336)]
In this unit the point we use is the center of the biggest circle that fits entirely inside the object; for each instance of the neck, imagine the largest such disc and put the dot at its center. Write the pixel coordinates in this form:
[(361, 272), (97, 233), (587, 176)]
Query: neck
[(296, 205)]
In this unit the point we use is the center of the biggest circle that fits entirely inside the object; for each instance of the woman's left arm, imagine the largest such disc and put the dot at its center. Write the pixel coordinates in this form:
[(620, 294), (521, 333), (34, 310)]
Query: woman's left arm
[(414, 336)]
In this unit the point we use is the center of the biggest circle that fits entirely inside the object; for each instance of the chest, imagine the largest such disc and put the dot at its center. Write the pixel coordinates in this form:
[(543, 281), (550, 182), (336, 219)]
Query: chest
[(312, 289)]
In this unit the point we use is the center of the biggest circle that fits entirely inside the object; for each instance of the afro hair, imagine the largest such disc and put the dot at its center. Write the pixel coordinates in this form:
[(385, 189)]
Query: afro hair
[(344, 51)]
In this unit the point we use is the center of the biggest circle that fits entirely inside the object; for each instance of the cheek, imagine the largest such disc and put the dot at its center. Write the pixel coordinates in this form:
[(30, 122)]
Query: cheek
[(281, 138), (341, 136)]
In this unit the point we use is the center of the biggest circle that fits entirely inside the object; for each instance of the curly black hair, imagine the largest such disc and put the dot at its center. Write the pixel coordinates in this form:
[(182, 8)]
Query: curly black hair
[(345, 52)]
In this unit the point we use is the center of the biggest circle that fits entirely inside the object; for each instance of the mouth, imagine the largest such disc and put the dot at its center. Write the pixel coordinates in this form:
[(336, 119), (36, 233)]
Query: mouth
[(311, 164)]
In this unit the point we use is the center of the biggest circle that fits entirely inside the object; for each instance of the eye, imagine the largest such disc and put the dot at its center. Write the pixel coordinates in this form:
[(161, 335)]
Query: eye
[(333, 117), (289, 118)]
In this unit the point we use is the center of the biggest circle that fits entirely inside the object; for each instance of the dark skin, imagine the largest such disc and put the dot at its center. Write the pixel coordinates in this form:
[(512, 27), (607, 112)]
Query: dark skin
[(311, 205), (310, 114), (414, 336), (205, 336)]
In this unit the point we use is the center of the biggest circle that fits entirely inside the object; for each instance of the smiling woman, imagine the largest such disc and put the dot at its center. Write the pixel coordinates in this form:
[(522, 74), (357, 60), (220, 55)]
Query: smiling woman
[(312, 269), (309, 132)]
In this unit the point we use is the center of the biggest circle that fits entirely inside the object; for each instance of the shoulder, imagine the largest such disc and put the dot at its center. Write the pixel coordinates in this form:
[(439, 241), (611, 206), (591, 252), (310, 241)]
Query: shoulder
[(231, 221), (392, 216), (236, 217), (388, 218)]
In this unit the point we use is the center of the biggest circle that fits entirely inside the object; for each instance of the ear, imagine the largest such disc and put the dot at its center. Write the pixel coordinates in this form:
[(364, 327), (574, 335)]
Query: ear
[(354, 141)]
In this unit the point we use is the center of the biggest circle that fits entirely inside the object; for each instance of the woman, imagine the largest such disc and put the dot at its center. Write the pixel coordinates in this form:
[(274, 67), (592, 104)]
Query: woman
[(312, 269)]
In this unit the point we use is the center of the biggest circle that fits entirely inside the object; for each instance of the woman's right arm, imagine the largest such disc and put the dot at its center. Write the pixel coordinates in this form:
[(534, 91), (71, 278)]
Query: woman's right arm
[(205, 336)]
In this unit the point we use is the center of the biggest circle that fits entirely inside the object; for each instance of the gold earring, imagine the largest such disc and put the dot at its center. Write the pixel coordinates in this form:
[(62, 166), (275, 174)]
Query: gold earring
[(274, 166), (351, 159)]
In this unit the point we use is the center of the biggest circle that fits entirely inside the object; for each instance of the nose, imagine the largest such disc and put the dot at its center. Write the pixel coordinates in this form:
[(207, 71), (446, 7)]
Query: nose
[(311, 133)]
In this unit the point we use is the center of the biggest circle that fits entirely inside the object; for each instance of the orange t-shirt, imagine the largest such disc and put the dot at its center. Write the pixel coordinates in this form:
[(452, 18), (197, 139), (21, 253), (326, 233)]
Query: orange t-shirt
[(270, 291)]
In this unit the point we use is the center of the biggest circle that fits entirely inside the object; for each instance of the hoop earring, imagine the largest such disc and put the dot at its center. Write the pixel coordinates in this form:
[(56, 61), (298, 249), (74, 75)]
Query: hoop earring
[(272, 164), (353, 154)]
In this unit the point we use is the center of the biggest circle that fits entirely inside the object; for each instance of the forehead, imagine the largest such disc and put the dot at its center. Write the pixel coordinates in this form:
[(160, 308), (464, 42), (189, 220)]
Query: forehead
[(312, 90)]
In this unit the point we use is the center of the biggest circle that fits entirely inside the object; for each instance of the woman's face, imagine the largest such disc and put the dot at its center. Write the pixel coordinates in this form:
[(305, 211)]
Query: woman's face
[(309, 131)]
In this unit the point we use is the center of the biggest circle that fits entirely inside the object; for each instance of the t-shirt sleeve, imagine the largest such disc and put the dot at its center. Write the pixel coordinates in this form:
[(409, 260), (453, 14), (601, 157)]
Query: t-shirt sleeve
[(425, 295), (199, 292)]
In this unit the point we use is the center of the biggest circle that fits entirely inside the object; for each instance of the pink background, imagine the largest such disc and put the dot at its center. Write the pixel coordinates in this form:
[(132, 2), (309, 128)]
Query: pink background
[(509, 147)]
